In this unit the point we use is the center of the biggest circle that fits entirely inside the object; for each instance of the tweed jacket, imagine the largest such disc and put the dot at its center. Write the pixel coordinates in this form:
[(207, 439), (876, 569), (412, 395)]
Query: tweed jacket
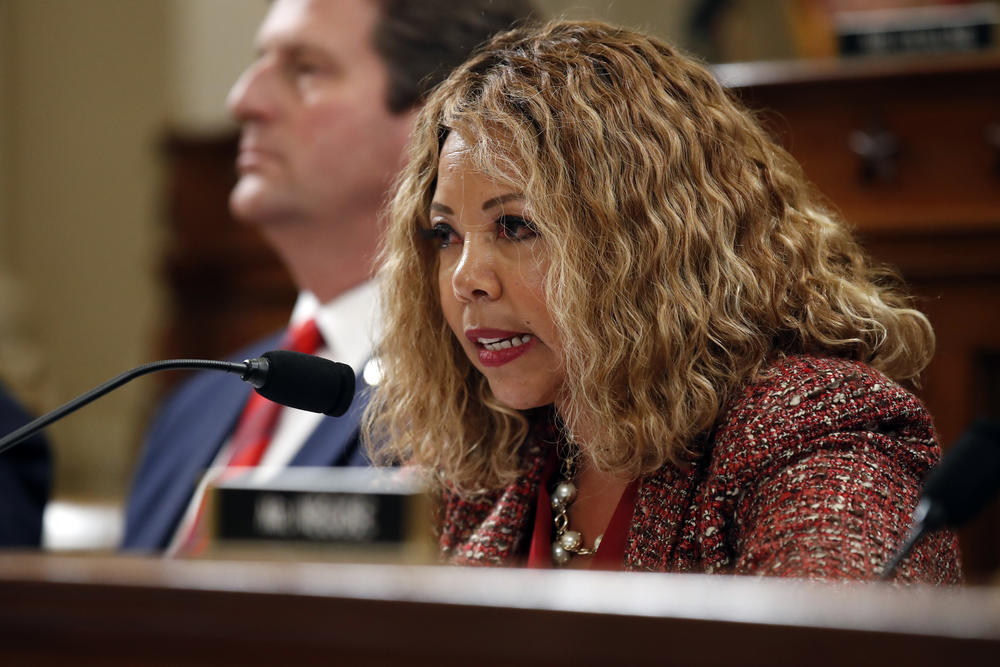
[(812, 471)]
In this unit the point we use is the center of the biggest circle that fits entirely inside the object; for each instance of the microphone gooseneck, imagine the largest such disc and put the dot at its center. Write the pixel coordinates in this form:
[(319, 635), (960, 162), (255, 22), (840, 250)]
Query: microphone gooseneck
[(297, 380)]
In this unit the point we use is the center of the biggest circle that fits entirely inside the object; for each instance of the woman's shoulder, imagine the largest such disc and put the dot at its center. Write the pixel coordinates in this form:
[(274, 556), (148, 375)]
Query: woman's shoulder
[(806, 384), (803, 402)]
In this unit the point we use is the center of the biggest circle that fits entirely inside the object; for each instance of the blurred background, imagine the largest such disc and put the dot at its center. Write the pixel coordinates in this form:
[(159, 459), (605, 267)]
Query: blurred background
[(116, 152)]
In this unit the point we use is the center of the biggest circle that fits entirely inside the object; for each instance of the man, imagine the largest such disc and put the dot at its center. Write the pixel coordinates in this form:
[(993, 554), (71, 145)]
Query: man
[(25, 479), (326, 110)]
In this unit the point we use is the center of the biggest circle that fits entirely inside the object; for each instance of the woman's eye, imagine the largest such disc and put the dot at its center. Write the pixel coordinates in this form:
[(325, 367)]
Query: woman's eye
[(441, 234), (516, 228)]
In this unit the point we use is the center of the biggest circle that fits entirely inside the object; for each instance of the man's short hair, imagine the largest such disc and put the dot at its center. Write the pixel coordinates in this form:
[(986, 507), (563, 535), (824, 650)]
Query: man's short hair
[(422, 41)]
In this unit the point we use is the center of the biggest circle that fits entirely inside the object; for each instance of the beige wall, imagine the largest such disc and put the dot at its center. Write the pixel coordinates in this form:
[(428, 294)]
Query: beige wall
[(211, 43), (5, 104), (87, 90), (85, 84), (664, 17)]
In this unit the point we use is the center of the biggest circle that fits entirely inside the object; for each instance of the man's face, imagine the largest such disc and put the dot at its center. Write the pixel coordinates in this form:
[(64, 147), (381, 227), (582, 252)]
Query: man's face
[(318, 142)]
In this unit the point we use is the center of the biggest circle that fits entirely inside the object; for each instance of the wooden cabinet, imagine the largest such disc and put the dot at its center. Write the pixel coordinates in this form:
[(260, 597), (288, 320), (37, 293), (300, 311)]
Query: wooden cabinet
[(905, 147), (225, 286), (909, 152), (927, 201)]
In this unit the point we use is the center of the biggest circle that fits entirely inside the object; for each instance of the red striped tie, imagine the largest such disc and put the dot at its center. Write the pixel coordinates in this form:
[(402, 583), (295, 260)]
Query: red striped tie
[(252, 434), (256, 424)]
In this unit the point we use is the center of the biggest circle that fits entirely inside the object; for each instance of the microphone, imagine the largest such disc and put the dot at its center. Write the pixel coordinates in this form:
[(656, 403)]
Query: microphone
[(303, 381), (961, 485), (292, 379)]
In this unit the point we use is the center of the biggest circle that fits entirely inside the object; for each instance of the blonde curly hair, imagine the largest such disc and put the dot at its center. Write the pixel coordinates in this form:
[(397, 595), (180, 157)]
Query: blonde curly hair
[(690, 251)]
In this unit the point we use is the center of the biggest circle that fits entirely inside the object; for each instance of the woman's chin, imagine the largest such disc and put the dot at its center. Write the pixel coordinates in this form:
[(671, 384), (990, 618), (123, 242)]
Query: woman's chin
[(521, 399)]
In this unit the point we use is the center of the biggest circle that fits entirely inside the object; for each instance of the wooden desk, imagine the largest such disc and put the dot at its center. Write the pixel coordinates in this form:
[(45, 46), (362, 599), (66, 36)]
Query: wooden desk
[(116, 611)]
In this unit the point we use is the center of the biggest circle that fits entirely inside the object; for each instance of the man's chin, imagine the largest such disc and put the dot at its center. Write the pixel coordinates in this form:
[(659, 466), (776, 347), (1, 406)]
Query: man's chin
[(255, 201)]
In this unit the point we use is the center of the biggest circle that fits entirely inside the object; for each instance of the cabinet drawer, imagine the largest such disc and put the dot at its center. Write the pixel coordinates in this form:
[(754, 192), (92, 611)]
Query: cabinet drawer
[(894, 149)]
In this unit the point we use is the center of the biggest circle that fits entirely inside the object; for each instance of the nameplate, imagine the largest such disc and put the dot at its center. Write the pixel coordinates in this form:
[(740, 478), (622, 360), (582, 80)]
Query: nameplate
[(933, 29), (345, 511)]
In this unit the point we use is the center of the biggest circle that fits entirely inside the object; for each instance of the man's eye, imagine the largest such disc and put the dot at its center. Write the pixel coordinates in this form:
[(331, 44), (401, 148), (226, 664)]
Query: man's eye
[(516, 228), (441, 234), (304, 68)]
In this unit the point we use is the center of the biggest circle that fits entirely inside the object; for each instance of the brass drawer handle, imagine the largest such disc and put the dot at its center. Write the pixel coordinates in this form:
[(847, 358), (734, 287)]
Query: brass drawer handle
[(878, 149), (992, 133)]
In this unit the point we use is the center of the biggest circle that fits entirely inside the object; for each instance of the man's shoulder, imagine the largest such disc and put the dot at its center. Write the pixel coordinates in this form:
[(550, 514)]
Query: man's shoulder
[(204, 386), (206, 396)]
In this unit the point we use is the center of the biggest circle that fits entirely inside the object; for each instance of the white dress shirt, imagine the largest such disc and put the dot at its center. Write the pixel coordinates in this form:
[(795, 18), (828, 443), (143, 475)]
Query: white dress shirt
[(349, 327)]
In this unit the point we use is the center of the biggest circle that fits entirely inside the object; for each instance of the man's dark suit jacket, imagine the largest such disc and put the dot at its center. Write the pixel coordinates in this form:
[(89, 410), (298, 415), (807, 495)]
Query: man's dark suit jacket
[(25, 480), (188, 434)]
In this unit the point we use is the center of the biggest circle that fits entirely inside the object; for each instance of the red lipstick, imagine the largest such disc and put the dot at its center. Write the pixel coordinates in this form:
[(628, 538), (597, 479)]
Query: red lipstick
[(497, 347)]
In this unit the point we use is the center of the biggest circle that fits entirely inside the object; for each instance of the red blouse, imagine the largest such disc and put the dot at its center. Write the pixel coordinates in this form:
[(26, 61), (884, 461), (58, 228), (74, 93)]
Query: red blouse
[(610, 553)]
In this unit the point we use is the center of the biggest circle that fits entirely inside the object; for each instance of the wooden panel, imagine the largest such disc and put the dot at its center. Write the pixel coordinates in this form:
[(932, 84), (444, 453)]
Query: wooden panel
[(118, 611), (225, 286), (934, 212), (947, 170)]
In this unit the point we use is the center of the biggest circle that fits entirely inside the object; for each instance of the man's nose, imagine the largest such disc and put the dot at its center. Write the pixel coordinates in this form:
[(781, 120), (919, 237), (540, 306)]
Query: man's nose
[(252, 96)]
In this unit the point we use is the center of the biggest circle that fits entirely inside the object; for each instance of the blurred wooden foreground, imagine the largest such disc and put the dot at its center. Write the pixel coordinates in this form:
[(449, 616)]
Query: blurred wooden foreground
[(118, 611)]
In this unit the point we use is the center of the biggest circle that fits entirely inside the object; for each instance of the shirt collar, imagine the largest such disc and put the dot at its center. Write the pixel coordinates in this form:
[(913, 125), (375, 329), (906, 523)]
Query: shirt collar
[(347, 323)]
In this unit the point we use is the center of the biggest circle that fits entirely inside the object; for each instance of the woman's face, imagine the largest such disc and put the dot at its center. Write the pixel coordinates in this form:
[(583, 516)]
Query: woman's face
[(491, 278)]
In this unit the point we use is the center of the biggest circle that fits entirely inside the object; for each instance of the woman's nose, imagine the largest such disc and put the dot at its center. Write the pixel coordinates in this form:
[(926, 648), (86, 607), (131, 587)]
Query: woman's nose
[(476, 275)]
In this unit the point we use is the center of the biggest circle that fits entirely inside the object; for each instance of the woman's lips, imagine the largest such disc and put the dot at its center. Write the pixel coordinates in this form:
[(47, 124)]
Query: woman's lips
[(497, 347)]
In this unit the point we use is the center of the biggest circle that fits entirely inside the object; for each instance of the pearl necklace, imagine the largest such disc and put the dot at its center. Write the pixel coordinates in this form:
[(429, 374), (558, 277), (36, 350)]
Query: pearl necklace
[(567, 543)]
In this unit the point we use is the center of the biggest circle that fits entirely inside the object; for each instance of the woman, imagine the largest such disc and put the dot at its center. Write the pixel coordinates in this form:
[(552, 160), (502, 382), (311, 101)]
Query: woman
[(614, 307)]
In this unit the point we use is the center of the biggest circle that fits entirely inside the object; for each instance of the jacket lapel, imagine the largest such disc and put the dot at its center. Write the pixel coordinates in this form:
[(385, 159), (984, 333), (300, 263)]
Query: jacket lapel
[(662, 515), (191, 443), (495, 529), (335, 442)]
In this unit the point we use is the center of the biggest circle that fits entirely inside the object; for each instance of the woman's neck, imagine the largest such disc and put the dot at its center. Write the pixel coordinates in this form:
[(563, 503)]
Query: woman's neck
[(597, 498)]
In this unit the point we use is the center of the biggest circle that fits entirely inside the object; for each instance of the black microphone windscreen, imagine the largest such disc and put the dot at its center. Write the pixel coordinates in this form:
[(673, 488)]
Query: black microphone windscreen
[(307, 382), (969, 473)]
